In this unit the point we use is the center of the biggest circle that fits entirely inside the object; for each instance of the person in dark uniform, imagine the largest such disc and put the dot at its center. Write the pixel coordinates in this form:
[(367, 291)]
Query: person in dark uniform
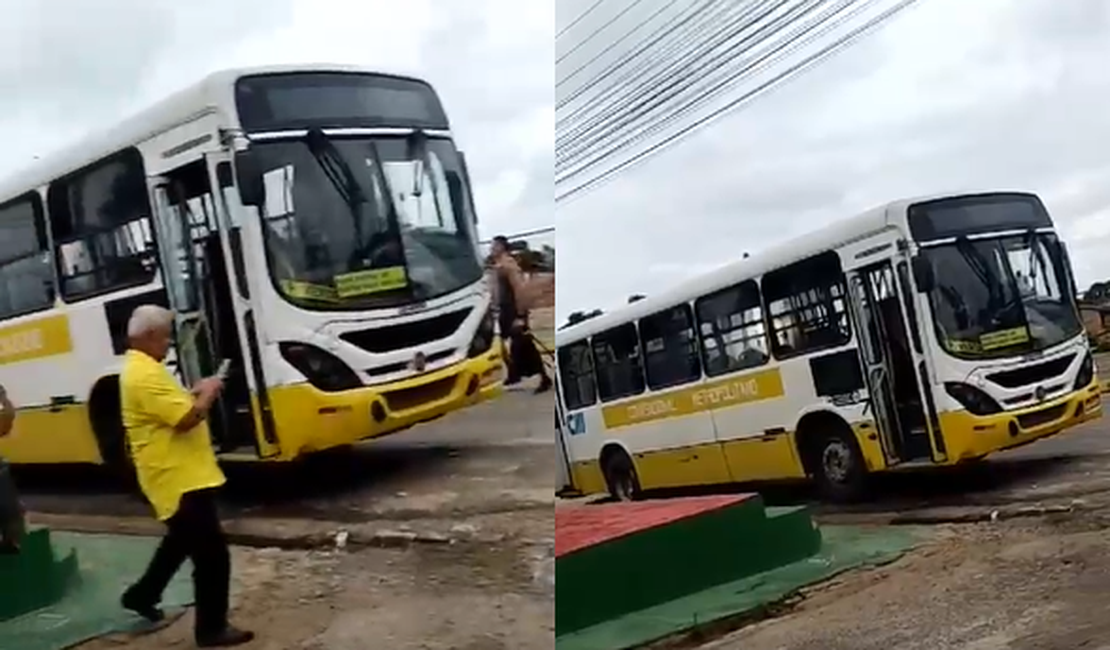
[(512, 318)]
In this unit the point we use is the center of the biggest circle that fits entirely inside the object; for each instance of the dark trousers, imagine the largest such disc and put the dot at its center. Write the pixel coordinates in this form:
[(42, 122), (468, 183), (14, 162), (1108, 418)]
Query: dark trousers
[(524, 359), (193, 532)]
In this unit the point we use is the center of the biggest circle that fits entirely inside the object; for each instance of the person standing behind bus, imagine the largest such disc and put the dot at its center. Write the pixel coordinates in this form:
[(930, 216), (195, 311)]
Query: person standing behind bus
[(177, 471), (512, 314)]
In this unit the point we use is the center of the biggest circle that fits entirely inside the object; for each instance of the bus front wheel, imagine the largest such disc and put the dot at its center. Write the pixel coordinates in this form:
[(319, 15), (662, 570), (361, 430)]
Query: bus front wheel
[(620, 476), (838, 467)]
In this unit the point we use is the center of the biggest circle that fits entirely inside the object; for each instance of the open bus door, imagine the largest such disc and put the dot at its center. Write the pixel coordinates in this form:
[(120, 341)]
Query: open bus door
[(236, 307), (565, 478)]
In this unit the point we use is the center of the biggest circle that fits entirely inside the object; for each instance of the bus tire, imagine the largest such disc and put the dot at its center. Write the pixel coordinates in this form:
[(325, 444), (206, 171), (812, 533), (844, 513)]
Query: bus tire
[(838, 466), (620, 474)]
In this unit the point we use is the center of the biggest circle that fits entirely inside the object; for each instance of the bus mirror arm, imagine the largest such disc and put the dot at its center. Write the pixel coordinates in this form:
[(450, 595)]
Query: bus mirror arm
[(923, 275), (248, 178)]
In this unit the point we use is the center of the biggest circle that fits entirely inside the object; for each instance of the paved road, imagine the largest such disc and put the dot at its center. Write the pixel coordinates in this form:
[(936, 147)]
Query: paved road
[(495, 457)]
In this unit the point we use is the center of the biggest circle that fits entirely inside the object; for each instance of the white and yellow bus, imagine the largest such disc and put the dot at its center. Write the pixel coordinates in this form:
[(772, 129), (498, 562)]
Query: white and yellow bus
[(931, 331), (312, 224)]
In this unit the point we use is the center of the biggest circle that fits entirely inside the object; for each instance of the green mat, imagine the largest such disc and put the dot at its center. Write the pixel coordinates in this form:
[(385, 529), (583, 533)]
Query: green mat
[(843, 548), (107, 565)]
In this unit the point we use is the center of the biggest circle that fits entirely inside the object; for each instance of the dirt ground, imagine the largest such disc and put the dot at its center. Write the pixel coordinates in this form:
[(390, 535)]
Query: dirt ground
[(1020, 585), (431, 597), (476, 489)]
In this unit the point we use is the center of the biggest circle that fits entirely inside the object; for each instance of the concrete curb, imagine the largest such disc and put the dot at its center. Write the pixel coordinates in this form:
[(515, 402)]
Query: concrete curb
[(286, 535)]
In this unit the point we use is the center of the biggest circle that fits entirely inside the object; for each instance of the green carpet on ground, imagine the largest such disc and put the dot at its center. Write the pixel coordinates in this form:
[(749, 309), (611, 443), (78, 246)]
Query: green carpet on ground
[(843, 548), (107, 564)]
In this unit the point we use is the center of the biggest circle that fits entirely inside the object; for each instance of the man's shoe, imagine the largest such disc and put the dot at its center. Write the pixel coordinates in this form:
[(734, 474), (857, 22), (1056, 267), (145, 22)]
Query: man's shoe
[(545, 385), (149, 611), (231, 636)]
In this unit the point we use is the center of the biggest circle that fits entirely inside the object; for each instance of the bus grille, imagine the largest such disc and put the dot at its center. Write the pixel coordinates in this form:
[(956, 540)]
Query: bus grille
[(1032, 374), (407, 398), (1043, 416), (407, 335)]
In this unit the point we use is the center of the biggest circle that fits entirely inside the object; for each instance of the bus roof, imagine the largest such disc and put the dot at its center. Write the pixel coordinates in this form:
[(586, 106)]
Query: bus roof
[(208, 94), (833, 235)]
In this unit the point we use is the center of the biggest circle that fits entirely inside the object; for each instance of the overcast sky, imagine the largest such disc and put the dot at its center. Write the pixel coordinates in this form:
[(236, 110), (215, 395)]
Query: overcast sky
[(69, 66), (954, 94)]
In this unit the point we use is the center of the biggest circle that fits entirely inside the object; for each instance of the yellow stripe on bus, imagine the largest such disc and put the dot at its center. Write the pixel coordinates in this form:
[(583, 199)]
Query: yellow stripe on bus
[(723, 393), (36, 339)]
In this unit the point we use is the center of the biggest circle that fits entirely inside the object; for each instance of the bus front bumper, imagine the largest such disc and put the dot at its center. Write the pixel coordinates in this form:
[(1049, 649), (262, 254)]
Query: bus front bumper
[(972, 436), (309, 420)]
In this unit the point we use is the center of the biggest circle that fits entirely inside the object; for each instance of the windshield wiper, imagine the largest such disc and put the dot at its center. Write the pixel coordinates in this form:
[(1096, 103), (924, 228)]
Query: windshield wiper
[(339, 173)]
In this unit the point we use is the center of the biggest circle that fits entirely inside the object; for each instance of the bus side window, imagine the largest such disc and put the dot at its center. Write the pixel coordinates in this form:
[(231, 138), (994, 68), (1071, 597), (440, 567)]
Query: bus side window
[(806, 305), (576, 374), (103, 235), (670, 348), (26, 274), (620, 372), (733, 333)]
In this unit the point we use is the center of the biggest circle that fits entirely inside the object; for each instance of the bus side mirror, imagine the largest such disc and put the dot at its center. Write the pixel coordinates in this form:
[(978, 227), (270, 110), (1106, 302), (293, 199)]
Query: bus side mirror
[(923, 274), (248, 176)]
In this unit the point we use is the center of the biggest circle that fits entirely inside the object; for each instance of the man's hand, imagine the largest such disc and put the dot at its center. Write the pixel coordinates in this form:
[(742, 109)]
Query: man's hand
[(208, 388)]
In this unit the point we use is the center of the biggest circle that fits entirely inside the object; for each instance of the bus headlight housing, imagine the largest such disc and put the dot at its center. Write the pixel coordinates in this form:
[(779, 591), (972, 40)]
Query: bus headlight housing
[(321, 368), (483, 338), (1086, 372), (971, 398)]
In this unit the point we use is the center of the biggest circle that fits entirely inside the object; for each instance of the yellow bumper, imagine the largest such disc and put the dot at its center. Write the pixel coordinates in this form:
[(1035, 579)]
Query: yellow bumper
[(970, 436), (309, 420)]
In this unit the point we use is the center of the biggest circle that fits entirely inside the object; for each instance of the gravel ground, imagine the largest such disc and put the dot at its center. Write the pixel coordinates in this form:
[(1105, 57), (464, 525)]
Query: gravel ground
[(1030, 585), (461, 597)]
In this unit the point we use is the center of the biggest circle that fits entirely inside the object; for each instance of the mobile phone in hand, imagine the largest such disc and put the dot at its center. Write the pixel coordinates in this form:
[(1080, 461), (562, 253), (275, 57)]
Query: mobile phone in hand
[(225, 366)]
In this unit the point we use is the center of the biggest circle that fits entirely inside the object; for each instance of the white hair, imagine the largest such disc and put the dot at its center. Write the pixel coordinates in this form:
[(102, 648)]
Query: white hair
[(148, 318)]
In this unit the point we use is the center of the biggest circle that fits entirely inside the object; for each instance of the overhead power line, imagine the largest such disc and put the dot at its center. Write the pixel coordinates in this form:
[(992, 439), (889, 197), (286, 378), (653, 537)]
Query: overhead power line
[(793, 71), (676, 23), (577, 20), (655, 95), (610, 46), (591, 35), (665, 56)]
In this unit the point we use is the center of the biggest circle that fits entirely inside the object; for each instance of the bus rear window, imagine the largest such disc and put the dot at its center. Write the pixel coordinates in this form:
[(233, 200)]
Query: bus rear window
[(970, 215)]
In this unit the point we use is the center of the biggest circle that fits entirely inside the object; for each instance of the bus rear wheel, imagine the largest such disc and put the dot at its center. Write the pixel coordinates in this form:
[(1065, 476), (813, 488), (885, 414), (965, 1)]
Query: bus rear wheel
[(838, 468), (620, 476)]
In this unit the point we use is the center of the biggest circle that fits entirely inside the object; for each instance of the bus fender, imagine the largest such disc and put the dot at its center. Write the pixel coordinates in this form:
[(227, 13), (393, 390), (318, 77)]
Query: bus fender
[(814, 424)]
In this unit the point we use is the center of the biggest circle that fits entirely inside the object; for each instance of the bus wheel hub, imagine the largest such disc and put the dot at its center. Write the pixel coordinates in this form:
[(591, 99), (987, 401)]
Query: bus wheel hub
[(837, 461)]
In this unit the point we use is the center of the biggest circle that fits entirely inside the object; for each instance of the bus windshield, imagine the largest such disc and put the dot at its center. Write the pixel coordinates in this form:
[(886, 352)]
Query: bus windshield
[(367, 221), (1001, 296)]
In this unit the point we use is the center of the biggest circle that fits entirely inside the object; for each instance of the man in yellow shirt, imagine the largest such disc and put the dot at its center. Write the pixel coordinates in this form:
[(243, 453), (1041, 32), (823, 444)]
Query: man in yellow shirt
[(176, 467)]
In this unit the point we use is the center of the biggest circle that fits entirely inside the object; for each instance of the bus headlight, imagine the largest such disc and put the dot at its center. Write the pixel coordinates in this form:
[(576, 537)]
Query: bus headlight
[(483, 338), (321, 368), (1086, 372), (971, 398)]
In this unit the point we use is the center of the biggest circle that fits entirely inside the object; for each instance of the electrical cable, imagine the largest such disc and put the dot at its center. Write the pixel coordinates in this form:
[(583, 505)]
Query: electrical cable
[(651, 40), (688, 74), (667, 58), (797, 38), (577, 20), (700, 96), (597, 31), (615, 43), (793, 71)]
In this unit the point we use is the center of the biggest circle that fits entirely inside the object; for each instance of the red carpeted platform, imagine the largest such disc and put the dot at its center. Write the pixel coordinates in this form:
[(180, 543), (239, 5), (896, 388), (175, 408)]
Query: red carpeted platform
[(613, 559), (577, 528)]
